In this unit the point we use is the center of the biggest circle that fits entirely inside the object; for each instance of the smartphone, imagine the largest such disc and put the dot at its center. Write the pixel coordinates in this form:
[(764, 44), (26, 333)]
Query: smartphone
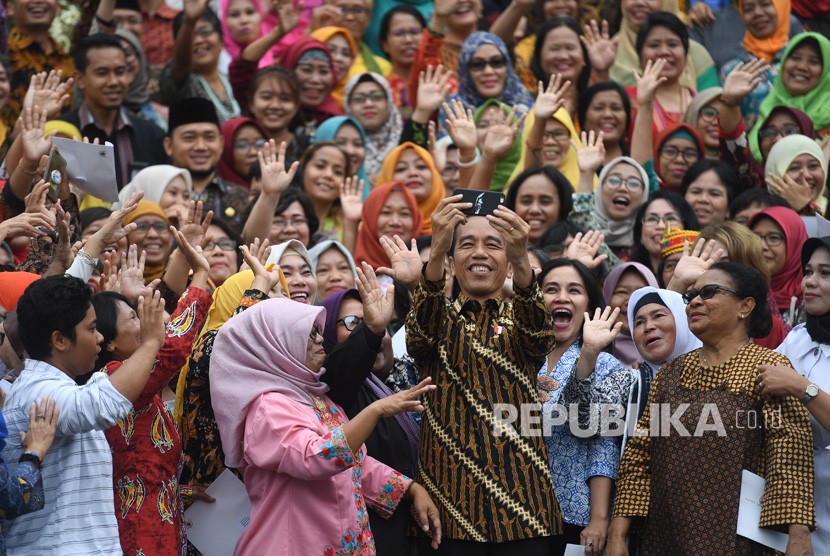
[(484, 202), (55, 174)]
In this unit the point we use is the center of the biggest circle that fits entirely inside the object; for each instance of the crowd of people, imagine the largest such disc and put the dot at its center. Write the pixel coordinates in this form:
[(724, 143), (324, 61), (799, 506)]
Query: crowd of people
[(291, 288)]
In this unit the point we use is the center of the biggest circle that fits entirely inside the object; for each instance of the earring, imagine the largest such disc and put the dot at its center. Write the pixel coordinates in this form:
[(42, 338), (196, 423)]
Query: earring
[(741, 317)]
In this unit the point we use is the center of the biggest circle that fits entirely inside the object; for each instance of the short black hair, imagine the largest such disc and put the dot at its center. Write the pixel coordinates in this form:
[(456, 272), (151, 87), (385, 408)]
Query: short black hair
[(687, 216), (750, 283), (592, 288), (287, 79), (92, 42), (56, 303), (106, 316), (662, 19), (423, 242), (553, 239), (587, 96), (292, 195), (756, 196), (386, 22), (725, 173), (91, 215), (563, 188), (536, 59), (209, 16)]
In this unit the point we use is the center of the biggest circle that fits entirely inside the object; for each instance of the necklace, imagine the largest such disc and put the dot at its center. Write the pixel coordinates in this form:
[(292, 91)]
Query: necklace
[(705, 361)]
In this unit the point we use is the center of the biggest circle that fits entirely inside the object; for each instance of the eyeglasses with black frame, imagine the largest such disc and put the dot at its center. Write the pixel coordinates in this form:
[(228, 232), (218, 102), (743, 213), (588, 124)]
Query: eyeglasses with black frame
[(350, 322), (707, 292)]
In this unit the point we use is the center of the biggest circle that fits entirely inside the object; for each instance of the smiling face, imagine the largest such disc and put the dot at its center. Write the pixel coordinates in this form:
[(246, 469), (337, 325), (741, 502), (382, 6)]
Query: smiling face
[(153, 236), (760, 18), (465, 15), (562, 53), (402, 42), (676, 156), (414, 173), (707, 124), (334, 274), (207, 46), (356, 16), (324, 173), (635, 12), (316, 81), (197, 147), (708, 198), (290, 224), (488, 80), (774, 243), (780, 124), (622, 201), (606, 113), (802, 69), (805, 168), (246, 143), (349, 139), (301, 282), (243, 21), (104, 83), (396, 218), (341, 55), (33, 15), (479, 261), (484, 122), (560, 8), (629, 282), (655, 332), (567, 300), (555, 143), (369, 105), (175, 196), (348, 308), (662, 43), (715, 318), (816, 283), (221, 255), (653, 232), (273, 105), (538, 204)]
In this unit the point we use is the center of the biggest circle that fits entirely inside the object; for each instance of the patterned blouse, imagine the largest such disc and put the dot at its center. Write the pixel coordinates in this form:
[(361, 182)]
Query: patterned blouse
[(489, 486), (21, 491)]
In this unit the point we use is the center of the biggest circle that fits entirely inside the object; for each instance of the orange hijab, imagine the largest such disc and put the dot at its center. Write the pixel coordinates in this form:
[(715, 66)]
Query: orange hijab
[(369, 248), (767, 48), (324, 35), (12, 286), (428, 205)]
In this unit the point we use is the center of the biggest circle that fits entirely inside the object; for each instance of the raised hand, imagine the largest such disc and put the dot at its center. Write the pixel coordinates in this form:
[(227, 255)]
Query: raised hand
[(591, 154), (112, 231), (445, 8), (650, 81), (797, 193), (550, 99), (702, 15), (693, 263), (259, 249), (288, 14), (602, 49), (406, 262), (326, 15), (193, 255), (742, 80), (193, 226), (195, 9), (264, 280), (65, 252), (501, 134), (25, 224), (514, 230), (275, 178), (351, 198), (405, 401), (35, 145), (131, 275), (584, 248), (151, 315), (433, 87), (49, 92), (600, 331), (446, 217), (461, 125), (378, 307)]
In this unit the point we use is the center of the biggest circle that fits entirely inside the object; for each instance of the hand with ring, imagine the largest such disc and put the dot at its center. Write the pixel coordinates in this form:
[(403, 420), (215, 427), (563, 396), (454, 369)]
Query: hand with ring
[(43, 420)]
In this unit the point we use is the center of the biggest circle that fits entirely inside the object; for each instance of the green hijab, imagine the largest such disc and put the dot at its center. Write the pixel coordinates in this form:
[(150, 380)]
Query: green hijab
[(505, 166), (816, 103)]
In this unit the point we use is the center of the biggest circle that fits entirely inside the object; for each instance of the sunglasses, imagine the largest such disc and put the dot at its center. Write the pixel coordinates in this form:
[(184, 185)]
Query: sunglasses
[(477, 64), (707, 292), (350, 322)]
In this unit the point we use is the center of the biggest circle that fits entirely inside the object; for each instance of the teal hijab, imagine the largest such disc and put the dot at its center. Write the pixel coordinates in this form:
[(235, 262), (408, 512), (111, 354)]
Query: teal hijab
[(327, 132)]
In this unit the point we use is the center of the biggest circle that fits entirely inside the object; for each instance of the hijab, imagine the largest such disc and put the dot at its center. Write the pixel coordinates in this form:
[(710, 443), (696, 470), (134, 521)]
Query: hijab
[(12, 286), (262, 350), (787, 283), (428, 205), (328, 131), (787, 149), (624, 348), (292, 57), (803, 120), (684, 340), (153, 181), (818, 326), (672, 130), (768, 47), (149, 208), (702, 99), (137, 93), (324, 35), (569, 167), (507, 164), (618, 233), (369, 249), (378, 143), (233, 48), (294, 245), (226, 168), (815, 103), (317, 251)]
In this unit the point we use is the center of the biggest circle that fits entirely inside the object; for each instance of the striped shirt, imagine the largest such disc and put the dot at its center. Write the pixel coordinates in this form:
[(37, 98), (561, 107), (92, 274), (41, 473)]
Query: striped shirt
[(79, 516)]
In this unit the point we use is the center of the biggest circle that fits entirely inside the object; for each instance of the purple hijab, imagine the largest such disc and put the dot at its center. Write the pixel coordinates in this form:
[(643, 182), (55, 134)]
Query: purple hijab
[(624, 348), (261, 350)]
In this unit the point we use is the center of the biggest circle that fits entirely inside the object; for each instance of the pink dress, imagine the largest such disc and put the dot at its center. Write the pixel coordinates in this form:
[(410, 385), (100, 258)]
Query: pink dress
[(308, 490)]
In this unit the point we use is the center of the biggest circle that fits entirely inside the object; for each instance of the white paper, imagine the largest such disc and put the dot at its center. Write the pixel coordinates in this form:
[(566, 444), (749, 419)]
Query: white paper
[(215, 528), (574, 550), (399, 342), (91, 168), (749, 514)]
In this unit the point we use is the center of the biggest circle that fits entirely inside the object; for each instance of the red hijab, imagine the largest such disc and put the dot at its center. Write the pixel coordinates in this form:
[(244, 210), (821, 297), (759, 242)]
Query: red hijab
[(369, 248), (293, 53), (12, 286), (226, 168), (676, 129), (787, 283)]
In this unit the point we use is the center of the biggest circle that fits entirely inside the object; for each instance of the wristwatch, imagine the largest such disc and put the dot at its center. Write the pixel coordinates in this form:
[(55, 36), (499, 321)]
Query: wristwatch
[(810, 393)]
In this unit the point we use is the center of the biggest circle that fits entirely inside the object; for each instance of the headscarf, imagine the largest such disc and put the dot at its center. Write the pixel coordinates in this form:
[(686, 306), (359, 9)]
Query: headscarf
[(569, 167), (378, 143), (328, 131), (787, 149), (332, 306), (63, 129), (137, 93), (668, 133), (153, 181), (815, 103), (262, 350), (12, 286), (624, 348), (148, 208), (317, 251), (324, 35), (233, 48), (428, 205), (514, 92), (506, 164), (295, 245), (768, 47), (684, 340), (369, 249), (803, 120), (291, 58), (226, 168), (702, 99), (818, 326), (787, 283), (618, 233)]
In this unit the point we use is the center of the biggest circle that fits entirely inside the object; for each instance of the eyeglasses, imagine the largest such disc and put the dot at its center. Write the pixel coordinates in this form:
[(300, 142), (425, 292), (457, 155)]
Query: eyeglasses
[(242, 145), (316, 333), (615, 182), (130, 19), (707, 292), (361, 98), (204, 31), (350, 322), (401, 33), (294, 222), (709, 113), (669, 266), (773, 239), (158, 227), (671, 152), (557, 134), (477, 64), (223, 244), (654, 220), (773, 132), (356, 11)]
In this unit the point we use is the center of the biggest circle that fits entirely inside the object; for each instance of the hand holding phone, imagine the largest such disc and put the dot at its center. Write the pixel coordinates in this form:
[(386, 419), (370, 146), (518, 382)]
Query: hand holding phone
[(484, 202), (55, 174)]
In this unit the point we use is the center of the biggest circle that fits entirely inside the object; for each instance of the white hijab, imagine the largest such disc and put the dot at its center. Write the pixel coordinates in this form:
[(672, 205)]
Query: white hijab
[(153, 180), (618, 233)]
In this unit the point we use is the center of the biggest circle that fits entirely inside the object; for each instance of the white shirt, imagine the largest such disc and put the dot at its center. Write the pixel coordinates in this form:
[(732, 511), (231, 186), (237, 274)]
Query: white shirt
[(79, 515)]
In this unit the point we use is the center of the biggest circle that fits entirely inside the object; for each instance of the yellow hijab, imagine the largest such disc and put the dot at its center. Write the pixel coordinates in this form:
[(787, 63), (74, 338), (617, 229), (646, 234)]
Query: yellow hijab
[(569, 167), (149, 208), (324, 35)]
